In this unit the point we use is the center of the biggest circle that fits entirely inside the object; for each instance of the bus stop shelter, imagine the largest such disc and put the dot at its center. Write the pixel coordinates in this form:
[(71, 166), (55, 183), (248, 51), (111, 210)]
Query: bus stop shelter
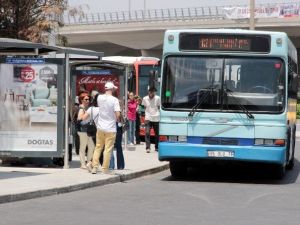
[(91, 71)]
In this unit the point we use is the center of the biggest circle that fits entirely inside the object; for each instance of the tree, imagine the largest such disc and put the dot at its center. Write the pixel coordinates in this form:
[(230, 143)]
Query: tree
[(30, 19)]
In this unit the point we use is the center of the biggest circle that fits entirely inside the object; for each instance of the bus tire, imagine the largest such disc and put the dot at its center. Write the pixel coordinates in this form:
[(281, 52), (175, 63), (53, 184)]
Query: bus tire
[(178, 168), (291, 163)]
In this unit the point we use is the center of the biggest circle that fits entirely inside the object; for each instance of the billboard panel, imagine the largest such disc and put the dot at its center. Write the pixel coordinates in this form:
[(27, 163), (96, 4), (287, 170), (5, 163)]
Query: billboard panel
[(29, 100)]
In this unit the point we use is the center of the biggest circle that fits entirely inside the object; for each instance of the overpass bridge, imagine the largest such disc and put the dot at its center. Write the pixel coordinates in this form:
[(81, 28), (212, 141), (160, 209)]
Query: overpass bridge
[(141, 32)]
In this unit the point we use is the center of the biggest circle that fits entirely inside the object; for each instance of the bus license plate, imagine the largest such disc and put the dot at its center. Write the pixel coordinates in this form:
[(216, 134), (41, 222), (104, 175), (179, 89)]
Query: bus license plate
[(220, 154)]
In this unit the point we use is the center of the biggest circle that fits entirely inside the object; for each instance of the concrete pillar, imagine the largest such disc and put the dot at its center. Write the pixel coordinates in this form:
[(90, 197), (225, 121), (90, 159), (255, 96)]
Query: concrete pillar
[(152, 52)]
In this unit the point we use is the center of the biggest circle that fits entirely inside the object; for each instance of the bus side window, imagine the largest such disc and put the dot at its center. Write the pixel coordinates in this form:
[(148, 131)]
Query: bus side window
[(132, 81), (238, 79)]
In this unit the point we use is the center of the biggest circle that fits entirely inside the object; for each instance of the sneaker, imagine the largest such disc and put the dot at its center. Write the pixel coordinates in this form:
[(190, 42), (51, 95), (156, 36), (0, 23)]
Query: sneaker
[(83, 167), (89, 166), (148, 150), (94, 170)]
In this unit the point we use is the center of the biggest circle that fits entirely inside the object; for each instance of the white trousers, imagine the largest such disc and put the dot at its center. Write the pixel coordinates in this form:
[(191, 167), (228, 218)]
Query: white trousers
[(85, 140)]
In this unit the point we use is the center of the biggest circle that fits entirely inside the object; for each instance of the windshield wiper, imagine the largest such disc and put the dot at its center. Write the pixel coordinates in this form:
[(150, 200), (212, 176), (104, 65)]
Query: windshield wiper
[(242, 107), (201, 100)]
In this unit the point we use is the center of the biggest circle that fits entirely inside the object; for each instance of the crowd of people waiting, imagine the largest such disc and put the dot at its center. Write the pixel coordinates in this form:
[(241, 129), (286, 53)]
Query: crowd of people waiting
[(99, 122)]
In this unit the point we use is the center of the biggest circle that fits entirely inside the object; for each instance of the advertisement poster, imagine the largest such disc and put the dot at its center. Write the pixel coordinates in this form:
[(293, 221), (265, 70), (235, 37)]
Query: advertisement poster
[(28, 113), (244, 12), (94, 80), (269, 11)]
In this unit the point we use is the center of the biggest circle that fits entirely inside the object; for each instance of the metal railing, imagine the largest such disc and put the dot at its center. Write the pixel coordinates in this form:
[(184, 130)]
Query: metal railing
[(153, 15)]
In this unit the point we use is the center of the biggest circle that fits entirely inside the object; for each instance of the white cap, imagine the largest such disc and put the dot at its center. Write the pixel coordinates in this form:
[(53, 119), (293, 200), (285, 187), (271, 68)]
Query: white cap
[(110, 85)]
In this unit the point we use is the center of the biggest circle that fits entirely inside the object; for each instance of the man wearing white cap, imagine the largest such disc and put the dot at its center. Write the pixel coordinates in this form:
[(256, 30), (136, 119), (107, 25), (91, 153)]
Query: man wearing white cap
[(109, 114)]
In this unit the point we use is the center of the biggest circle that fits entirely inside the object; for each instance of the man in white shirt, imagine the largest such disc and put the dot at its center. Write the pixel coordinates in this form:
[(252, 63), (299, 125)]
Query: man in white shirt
[(109, 114), (151, 102)]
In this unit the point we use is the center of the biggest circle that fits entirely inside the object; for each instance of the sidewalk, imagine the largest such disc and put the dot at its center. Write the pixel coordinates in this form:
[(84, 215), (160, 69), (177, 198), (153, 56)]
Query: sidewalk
[(20, 183)]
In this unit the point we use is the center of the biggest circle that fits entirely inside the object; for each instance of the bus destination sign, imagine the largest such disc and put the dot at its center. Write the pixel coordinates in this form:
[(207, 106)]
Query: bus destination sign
[(224, 42), (229, 43)]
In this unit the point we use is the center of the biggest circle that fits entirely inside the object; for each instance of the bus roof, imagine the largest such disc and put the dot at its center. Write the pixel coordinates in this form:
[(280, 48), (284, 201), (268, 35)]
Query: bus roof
[(225, 31), (129, 60)]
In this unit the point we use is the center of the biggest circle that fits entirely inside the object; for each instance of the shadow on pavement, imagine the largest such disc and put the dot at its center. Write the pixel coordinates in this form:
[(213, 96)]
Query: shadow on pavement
[(238, 173), (16, 174), (37, 162)]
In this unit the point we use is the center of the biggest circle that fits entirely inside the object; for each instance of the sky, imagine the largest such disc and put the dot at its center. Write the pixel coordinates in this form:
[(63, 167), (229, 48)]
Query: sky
[(95, 6)]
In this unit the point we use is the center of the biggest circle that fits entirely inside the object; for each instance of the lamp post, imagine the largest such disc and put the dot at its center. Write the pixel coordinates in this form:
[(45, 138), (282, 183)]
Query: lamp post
[(252, 15), (144, 7), (129, 5)]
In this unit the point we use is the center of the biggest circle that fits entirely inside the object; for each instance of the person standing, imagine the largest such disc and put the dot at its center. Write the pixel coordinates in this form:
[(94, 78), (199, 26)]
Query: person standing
[(109, 114), (118, 142), (131, 115), (119, 150), (84, 139), (151, 102)]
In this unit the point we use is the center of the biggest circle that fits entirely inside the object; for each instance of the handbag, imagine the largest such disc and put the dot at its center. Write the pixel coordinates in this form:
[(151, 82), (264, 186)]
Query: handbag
[(125, 125), (77, 125), (91, 128)]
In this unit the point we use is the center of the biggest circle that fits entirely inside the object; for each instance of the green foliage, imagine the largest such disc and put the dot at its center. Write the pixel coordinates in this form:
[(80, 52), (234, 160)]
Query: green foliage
[(298, 111), (29, 19)]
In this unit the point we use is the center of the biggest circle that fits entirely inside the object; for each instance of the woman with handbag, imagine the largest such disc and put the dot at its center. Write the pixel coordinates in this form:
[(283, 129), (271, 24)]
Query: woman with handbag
[(85, 138)]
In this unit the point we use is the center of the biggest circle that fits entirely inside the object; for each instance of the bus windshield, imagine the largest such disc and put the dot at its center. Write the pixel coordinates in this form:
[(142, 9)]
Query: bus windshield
[(224, 83), (145, 79)]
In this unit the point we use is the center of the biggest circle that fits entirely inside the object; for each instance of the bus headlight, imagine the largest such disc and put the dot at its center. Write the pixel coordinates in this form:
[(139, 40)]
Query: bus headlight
[(173, 138), (259, 141), (182, 138), (269, 142)]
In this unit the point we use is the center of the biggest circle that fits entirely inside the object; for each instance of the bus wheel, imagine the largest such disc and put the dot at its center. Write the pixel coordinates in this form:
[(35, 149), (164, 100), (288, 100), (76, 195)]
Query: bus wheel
[(290, 164), (178, 169), (279, 171)]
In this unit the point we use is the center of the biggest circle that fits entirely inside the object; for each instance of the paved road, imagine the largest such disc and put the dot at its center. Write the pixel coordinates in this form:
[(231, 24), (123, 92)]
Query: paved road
[(238, 195)]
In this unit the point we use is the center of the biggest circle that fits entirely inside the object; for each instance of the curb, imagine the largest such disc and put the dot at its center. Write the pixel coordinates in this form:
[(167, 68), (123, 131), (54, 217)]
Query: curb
[(61, 190)]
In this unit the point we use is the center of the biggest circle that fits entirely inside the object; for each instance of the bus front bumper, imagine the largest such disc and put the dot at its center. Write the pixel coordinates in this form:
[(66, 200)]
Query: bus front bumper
[(172, 151)]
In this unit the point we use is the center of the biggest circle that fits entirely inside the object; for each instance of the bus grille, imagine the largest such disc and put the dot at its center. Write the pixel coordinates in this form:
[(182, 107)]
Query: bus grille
[(220, 141)]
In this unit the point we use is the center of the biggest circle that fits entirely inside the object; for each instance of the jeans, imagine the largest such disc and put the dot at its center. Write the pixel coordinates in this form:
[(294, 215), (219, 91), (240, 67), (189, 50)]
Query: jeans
[(119, 152), (106, 140), (131, 131), (155, 126), (137, 129)]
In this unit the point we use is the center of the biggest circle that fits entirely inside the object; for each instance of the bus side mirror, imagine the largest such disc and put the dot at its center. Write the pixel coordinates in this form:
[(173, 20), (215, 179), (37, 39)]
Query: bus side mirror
[(293, 84)]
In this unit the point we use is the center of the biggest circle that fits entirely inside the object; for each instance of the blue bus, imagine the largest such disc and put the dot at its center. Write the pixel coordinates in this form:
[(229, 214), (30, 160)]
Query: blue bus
[(228, 95)]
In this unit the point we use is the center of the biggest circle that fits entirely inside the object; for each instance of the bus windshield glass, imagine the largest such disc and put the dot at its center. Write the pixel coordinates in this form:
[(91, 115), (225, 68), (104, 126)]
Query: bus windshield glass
[(145, 79), (223, 84)]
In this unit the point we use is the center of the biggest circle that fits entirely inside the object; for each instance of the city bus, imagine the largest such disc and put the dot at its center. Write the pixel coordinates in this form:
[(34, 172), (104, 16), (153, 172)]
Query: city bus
[(144, 72), (228, 95)]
